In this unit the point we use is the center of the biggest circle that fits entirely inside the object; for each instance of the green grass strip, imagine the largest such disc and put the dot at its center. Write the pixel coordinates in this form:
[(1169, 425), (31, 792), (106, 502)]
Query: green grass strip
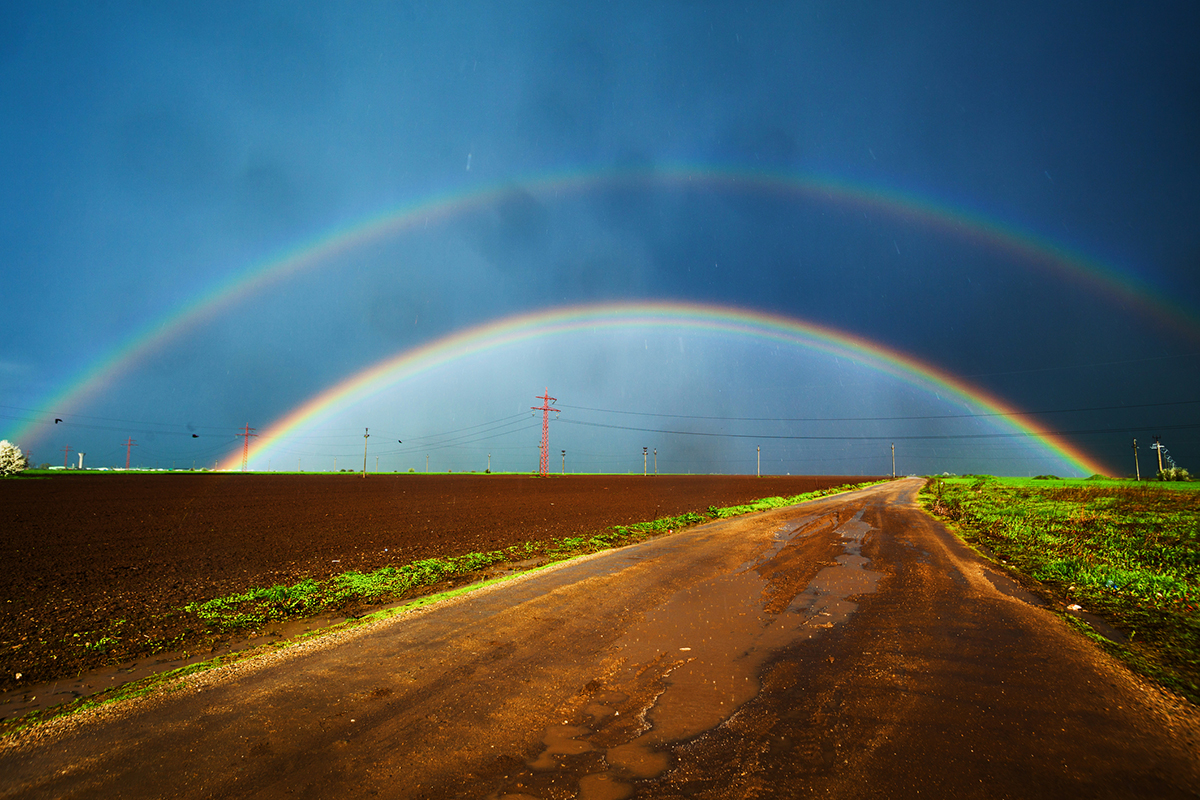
[(1126, 551)]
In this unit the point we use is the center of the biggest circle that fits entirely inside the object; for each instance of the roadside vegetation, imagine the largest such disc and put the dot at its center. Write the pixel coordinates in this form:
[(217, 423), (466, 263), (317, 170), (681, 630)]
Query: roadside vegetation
[(202, 625), (257, 607), (1127, 552)]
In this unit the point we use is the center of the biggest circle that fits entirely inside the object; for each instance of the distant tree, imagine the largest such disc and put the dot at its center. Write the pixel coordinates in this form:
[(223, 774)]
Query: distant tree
[(12, 460), (1174, 474)]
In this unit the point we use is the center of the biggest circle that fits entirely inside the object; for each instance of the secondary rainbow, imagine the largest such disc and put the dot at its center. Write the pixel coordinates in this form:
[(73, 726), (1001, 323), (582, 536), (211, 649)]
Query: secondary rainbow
[(709, 318), (320, 250)]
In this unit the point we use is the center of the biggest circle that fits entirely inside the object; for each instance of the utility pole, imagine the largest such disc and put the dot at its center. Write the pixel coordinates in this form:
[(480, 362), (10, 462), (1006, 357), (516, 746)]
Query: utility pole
[(893, 461), (564, 466), (644, 450), (246, 434), (1137, 466), (66, 456), (427, 462), (366, 435), (335, 463), (489, 472), (544, 451), (376, 464), (758, 469), (128, 444), (1157, 446), (656, 462)]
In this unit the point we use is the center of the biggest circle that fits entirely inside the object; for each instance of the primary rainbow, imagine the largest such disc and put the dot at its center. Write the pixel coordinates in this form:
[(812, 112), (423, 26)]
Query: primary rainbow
[(705, 318), (315, 252)]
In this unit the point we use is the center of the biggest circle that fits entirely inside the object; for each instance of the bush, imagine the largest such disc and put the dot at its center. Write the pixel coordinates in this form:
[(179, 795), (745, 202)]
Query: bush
[(12, 460), (1174, 474), (1046, 478)]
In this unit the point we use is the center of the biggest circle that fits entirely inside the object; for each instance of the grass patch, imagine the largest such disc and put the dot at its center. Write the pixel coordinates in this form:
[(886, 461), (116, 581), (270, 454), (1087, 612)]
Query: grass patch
[(1126, 551)]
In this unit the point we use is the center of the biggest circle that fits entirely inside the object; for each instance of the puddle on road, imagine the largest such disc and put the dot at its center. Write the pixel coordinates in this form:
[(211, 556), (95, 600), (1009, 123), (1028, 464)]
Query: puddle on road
[(693, 661)]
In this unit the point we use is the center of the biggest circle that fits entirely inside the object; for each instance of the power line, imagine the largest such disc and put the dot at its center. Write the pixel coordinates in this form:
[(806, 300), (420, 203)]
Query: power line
[(877, 438), (881, 419), (45, 417)]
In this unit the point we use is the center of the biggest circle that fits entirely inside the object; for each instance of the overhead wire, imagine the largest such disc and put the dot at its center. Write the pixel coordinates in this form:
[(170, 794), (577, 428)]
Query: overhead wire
[(882, 419), (873, 438)]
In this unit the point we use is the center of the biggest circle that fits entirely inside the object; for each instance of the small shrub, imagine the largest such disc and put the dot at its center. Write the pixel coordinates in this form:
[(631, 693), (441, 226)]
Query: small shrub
[(12, 460), (1174, 474), (1046, 478)]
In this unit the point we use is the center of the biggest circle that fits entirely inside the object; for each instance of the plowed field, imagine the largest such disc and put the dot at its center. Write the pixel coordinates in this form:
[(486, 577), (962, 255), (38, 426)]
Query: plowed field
[(86, 555)]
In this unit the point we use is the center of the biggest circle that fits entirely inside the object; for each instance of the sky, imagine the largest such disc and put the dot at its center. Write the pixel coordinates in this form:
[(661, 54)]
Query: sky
[(213, 215)]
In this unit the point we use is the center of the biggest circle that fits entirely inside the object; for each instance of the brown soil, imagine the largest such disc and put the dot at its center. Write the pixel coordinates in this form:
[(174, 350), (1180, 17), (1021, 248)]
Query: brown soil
[(88, 556)]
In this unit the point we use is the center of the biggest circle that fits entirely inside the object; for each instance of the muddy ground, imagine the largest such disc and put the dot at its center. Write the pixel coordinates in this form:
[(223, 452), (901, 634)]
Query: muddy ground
[(92, 556)]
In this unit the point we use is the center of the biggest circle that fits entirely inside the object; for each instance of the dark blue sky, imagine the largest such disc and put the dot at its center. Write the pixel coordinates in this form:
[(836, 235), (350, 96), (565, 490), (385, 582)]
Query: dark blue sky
[(152, 151)]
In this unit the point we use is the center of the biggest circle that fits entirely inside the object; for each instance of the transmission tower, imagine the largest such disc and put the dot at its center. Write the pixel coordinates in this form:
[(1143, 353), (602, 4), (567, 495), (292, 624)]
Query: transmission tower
[(246, 434), (544, 462), (129, 444), (66, 456)]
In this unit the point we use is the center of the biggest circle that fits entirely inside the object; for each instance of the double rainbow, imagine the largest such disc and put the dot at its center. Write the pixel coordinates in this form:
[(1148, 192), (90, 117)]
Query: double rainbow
[(320, 251)]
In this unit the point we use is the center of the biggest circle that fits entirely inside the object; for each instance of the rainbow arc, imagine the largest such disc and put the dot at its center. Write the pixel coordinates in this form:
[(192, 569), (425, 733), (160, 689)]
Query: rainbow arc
[(760, 327)]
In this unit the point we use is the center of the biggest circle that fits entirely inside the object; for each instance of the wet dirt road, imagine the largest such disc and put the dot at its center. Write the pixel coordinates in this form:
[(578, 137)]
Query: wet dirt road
[(849, 647)]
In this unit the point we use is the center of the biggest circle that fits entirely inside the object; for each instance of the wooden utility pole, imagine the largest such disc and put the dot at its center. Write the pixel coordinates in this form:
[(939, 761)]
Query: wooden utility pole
[(1137, 466), (656, 462), (644, 451), (366, 435), (1157, 446), (758, 469), (893, 461)]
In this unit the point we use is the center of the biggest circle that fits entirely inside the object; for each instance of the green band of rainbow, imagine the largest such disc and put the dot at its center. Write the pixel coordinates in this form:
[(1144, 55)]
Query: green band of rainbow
[(702, 318)]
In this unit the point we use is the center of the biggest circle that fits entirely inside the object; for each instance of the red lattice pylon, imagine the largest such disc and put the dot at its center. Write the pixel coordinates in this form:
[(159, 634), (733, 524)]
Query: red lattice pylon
[(545, 408), (246, 444)]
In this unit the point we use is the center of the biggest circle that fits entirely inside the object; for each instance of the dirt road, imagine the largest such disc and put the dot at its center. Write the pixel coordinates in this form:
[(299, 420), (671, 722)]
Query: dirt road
[(848, 647)]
